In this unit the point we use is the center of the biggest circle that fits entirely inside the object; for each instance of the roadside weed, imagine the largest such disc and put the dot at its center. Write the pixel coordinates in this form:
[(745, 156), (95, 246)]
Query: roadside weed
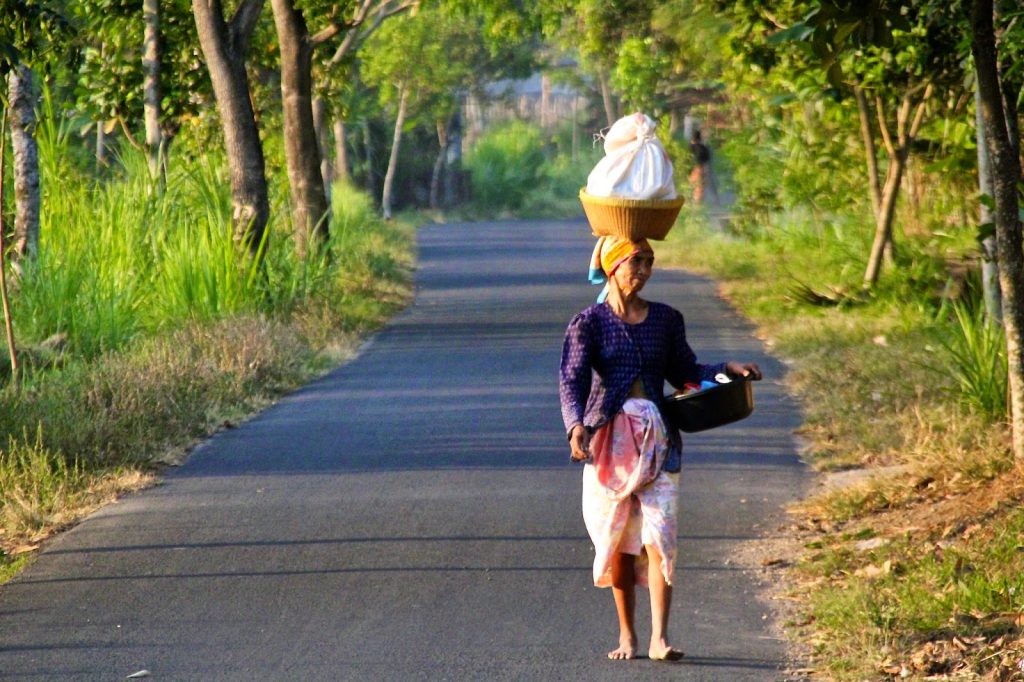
[(977, 350)]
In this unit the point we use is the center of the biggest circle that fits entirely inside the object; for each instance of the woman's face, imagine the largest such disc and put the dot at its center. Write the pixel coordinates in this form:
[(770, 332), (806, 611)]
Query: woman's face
[(632, 275)]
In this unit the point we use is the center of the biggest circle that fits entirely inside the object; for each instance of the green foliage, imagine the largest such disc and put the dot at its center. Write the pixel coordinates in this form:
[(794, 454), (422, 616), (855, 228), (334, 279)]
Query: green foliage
[(640, 66), (977, 350), (108, 77), (438, 56), (118, 261), (30, 31), (505, 165)]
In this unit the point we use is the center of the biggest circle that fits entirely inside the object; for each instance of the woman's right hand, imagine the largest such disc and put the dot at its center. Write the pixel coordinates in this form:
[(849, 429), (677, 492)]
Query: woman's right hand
[(579, 442)]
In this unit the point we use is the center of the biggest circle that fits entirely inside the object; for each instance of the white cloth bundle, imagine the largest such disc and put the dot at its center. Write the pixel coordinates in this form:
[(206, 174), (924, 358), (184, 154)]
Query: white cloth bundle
[(635, 165)]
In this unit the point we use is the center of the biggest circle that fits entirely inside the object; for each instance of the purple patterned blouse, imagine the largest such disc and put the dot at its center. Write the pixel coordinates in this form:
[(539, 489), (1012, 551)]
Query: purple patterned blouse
[(603, 355)]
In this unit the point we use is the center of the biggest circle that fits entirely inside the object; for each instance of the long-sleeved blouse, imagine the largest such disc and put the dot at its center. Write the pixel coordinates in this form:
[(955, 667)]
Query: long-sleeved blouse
[(603, 355)]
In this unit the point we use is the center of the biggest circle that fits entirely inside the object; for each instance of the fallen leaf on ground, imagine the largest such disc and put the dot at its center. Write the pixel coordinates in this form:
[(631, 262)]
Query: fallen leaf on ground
[(873, 543)]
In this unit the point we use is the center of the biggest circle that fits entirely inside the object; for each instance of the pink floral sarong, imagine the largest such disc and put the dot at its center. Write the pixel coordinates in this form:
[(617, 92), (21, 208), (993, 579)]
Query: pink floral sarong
[(628, 501)]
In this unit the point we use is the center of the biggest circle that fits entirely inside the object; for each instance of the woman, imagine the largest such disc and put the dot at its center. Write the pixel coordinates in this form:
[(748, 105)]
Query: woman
[(617, 355), (702, 177)]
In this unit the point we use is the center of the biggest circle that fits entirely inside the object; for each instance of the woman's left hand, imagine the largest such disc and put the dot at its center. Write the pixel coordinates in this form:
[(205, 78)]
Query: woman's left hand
[(743, 369)]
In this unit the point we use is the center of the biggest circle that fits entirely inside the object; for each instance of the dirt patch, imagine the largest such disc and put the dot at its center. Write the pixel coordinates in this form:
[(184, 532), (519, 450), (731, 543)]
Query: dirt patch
[(770, 561)]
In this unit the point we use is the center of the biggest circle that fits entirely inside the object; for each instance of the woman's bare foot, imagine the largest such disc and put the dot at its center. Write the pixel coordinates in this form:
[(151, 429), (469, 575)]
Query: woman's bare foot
[(661, 651), (626, 650)]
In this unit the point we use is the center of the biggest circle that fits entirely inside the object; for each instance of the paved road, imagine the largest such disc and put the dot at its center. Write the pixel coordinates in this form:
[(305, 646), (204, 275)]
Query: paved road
[(413, 515)]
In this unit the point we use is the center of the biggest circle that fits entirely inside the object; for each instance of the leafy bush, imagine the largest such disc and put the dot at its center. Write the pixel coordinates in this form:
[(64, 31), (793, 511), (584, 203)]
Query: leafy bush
[(505, 165)]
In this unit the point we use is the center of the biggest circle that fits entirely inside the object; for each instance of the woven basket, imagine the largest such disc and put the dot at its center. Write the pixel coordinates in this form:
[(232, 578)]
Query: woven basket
[(630, 218)]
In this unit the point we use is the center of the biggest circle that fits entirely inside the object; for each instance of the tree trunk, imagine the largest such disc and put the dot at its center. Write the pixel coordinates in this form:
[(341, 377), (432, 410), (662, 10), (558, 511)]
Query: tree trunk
[(442, 155), (324, 145), (341, 172), (870, 151), (1005, 177), (101, 130), (389, 177), (371, 177), (884, 220), (546, 116), (989, 257), (21, 94), (1011, 95), (224, 46), (894, 177), (453, 185), (101, 145), (606, 98), (302, 153), (5, 302), (576, 128), (151, 88)]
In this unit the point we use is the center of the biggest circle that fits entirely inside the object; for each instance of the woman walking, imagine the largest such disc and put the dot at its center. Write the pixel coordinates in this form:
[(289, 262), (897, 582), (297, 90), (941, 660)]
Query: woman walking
[(616, 357)]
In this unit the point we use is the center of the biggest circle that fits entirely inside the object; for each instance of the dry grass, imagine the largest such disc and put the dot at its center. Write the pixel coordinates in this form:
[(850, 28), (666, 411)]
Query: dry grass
[(913, 569), (98, 429)]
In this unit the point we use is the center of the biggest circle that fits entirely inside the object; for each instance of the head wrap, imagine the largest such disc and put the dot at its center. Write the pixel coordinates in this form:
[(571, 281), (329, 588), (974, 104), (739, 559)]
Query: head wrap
[(609, 254)]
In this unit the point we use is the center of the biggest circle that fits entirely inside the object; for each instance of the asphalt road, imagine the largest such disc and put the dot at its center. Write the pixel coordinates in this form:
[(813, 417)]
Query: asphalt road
[(413, 515)]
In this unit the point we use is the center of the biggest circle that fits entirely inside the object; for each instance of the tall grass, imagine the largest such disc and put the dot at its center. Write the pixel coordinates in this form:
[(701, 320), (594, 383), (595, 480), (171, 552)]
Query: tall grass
[(118, 259), (169, 331)]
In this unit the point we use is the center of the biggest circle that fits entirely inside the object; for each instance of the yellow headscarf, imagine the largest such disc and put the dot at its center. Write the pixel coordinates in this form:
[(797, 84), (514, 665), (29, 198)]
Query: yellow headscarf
[(610, 253)]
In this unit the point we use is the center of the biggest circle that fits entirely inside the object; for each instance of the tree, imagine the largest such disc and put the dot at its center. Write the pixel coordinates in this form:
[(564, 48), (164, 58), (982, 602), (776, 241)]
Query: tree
[(598, 31), (151, 88), (423, 65), (1006, 176), (141, 76), (21, 95), (225, 44), (28, 31), (892, 56), (302, 149), (12, 351)]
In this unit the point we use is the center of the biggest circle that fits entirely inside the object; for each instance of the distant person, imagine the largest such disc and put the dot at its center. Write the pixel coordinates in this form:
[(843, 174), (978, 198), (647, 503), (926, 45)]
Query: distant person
[(701, 177), (616, 358)]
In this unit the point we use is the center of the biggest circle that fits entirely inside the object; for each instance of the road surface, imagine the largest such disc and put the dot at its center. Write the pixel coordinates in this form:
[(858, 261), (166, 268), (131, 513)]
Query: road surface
[(413, 515)]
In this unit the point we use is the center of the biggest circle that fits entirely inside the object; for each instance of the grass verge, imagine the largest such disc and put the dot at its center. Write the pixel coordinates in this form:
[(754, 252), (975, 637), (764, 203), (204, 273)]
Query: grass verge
[(913, 570), (80, 429)]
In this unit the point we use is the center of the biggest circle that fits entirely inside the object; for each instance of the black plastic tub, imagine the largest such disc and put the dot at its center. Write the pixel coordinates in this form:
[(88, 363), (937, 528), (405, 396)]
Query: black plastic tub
[(716, 406)]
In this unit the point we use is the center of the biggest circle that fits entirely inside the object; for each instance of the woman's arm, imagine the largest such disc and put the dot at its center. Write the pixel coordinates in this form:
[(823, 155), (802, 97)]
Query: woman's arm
[(576, 372)]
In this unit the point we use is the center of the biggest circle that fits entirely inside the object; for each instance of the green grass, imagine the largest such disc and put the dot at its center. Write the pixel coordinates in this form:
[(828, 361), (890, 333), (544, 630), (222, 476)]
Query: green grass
[(863, 364), (898, 376), (963, 588), (166, 332)]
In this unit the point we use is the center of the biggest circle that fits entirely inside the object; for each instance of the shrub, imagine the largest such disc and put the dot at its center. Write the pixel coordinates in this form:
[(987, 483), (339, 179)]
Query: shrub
[(505, 165)]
